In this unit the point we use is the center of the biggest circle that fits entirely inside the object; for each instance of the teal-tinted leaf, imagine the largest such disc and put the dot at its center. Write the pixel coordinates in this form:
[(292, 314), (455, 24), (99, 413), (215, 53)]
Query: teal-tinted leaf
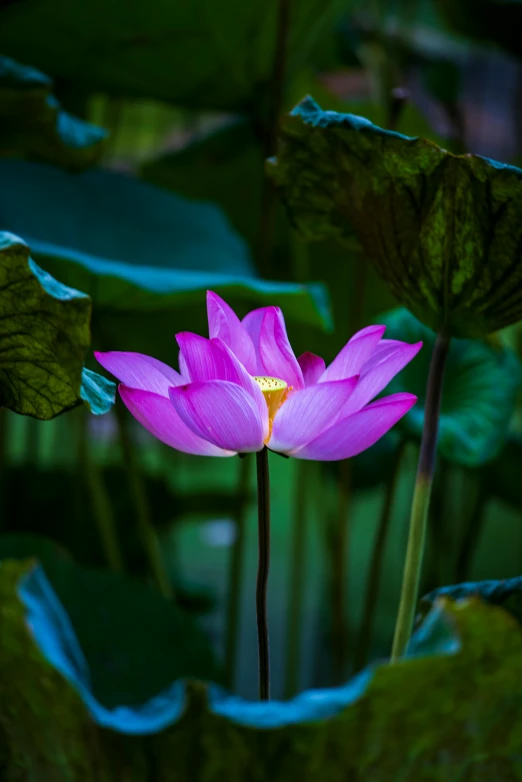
[(98, 393), (117, 217), (442, 230), (466, 708), (481, 385), (506, 593), (145, 257), (135, 642), (44, 335), (33, 123), (199, 53)]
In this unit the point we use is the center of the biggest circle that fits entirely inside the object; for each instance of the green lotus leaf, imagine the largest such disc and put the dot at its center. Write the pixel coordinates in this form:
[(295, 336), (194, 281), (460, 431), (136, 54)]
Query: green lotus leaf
[(135, 642), (442, 230), (198, 54), (97, 392), (44, 333), (146, 257), (32, 122), (462, 686), (481, 385)]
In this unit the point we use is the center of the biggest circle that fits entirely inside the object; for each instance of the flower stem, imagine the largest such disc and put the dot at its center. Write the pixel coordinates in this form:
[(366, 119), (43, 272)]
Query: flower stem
[(421, 499), (137, 489), (297, 577), (263, 504), (339, 560), (374, 576), (234, 579), (100, 501)]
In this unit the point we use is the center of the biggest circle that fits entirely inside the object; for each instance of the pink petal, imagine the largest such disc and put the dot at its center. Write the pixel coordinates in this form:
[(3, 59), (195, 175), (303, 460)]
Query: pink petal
[(355, 353), (276, 353), (307, 413), (157, 414), (312, 367), (357, 432), (377, 373), (211, 359), (222, 413), (252, 323), (223, 323), (137, 370)]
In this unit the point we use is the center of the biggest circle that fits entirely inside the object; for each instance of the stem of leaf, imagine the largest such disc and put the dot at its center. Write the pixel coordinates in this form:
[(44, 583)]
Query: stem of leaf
[(421, 500), (268, 196), (339, 558), (374, 575), (100, 501), (234, 579), (297, 578), (263, 505), (139, 495)]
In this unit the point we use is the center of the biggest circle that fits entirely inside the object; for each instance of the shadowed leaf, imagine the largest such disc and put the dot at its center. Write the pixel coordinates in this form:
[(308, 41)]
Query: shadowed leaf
[(443, 231)]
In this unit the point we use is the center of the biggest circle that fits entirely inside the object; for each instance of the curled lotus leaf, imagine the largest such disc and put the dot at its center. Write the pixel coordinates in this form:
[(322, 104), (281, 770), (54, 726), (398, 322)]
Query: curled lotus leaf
[(442, 230)]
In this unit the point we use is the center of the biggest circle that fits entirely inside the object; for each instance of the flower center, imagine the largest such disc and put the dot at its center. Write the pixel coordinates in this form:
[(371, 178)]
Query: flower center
[(275, 392)]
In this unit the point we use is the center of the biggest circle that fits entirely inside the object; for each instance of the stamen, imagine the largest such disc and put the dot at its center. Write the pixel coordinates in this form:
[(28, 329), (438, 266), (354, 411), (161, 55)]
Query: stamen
[(275, 392)]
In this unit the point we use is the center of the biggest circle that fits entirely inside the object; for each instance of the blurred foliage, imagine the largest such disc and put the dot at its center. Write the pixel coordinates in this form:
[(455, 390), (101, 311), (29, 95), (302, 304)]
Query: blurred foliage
[(230, 47), (45, 336), (481, 386), (487, 21), (34, 124), (442, 230), (466, 727), (124, 667), (61, 493), (141, 253)]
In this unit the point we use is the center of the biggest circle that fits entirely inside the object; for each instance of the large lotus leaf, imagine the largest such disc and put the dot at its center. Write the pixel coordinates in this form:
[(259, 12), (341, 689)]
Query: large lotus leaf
[(145, 257), (134, 642), (443, 230), (44, 334), (33, 123), (198, 53), (450, 712), (481, 385)]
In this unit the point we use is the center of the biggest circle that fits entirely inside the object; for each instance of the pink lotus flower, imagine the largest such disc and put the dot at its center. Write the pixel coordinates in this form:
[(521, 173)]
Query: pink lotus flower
[(243, 388)]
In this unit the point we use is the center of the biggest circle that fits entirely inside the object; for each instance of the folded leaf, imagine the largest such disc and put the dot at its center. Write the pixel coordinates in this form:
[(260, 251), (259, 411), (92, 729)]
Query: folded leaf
[(33, 123), (442, 230)]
